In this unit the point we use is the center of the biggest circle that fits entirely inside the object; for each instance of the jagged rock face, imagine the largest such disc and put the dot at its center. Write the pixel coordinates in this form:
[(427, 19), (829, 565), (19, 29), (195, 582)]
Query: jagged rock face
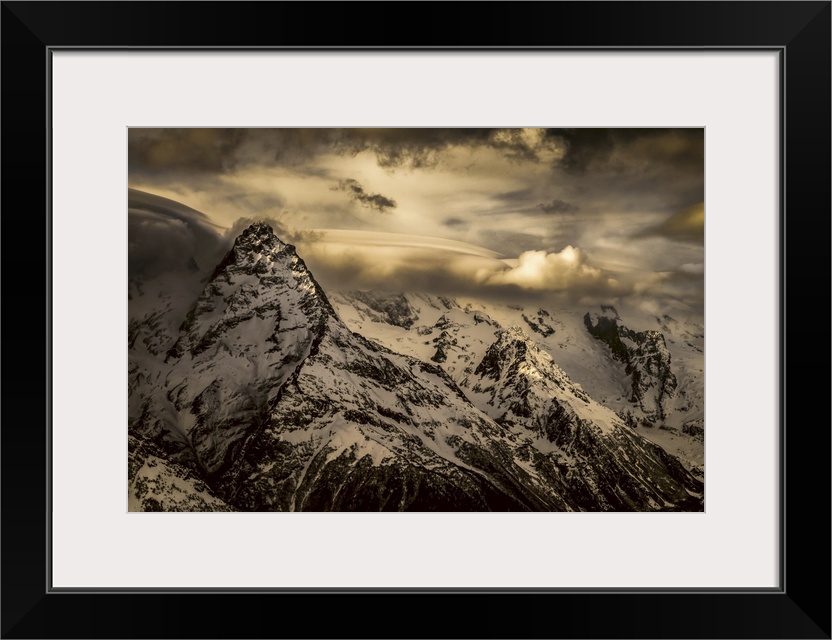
[(520, 380), (581, 447), (540, 323), (156, 483), (444, 341), (253, 324), (647, 361), (649, 364), (393, 309), (360, 428), (456, 334), (271, 402), (264, 400), (457, 347)]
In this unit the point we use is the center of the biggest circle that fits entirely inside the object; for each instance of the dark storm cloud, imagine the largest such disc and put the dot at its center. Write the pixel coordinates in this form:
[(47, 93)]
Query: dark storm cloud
[(584, 146), (624, 149), (631, 170), (224, 150), (420, 148), (557, 206), (370, 200), (413, 147), (155, 151), (199, 155), (164, 235), (183, 150), (454, 222), (200, 150)]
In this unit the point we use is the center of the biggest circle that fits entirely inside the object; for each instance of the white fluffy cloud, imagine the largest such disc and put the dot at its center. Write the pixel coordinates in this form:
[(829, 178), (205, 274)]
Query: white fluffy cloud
[(544, 271)]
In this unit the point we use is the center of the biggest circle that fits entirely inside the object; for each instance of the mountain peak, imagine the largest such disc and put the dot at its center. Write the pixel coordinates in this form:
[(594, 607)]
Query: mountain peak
[(514, 341), (259, 229), (259, 237)]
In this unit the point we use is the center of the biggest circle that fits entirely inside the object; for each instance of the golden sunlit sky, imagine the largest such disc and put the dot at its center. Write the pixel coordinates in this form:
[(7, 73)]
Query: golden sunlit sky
[(568, 215)]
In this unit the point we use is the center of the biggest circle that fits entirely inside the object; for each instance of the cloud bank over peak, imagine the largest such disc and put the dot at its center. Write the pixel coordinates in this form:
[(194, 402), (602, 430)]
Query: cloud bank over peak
[(504, 212)]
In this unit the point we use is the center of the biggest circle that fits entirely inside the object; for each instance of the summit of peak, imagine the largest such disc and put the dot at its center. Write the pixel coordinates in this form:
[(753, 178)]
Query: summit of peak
[(259, 237), (258, 228)]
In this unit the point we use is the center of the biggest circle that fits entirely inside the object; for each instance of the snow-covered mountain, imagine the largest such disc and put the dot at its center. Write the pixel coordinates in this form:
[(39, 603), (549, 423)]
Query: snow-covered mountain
[(652, 378), (258, 397)]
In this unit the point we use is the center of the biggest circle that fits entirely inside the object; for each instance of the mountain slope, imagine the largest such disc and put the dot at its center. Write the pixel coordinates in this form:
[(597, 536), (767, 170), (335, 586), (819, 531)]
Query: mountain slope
[(277, 405), (582, 445), (456, 333), (646, 360), (265, 400)]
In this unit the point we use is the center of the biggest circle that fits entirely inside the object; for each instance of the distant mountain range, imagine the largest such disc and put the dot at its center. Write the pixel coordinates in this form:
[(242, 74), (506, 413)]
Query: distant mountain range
[(265, 394)]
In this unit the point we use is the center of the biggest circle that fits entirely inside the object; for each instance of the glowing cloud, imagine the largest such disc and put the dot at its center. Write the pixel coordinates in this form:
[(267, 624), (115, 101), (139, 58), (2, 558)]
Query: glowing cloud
[(543, 271)]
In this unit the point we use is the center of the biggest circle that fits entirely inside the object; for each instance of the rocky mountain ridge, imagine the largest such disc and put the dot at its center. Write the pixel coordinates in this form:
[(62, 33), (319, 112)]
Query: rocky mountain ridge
[(263, 399), (455, 333), (646, 359)]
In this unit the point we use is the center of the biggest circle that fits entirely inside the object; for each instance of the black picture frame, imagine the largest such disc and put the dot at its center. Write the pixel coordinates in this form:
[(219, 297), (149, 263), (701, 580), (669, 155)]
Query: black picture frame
[(799, 608)]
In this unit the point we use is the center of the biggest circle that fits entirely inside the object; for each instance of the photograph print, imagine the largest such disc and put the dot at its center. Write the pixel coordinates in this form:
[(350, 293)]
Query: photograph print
[(414, 319)]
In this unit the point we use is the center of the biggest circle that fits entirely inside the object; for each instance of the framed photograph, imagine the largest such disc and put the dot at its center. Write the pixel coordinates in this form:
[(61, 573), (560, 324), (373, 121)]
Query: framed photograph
[(525, 286), (322, 353)]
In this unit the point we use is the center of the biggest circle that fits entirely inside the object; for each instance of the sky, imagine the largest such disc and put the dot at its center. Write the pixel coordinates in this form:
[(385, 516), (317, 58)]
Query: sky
[(560, 216)]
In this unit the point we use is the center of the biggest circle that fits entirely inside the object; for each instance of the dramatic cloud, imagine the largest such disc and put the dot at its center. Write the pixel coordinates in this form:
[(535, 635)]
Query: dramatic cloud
[(582, 214), (418, 148), (527, 144), (395, 262), (585, 147), (370, 200), (624, 149), (542, 271), (216, 150), (165, 236), (188, 150)]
